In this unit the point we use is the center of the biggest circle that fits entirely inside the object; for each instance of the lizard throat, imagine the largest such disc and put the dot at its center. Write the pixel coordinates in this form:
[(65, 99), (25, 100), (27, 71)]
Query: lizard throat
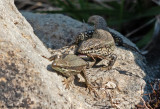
[(91, 51)]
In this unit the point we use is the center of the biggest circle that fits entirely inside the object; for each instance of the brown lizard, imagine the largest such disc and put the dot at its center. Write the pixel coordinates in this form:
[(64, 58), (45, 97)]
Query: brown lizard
[(100, 23), (69, 66), (101, 45)]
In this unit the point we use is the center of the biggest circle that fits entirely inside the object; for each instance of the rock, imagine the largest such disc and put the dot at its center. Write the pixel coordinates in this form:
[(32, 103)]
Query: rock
[(55, 30), (126, 77), (26, 80), (111, 85)]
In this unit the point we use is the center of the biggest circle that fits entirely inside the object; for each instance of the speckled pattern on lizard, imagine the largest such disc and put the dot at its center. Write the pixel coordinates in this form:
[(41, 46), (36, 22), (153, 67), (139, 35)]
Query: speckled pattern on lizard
[(101, 45), (100, 23)]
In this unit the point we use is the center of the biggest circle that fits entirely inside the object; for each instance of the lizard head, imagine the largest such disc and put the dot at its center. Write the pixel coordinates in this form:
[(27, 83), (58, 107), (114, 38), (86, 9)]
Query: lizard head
[(98, 21)]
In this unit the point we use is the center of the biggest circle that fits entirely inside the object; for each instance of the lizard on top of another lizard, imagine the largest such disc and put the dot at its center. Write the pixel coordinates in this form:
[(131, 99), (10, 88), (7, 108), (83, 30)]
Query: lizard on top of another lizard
[(101, 46), (100, 23)]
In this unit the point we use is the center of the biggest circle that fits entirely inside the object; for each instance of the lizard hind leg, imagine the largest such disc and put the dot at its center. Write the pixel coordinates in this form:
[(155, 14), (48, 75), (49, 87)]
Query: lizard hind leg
[(132, 48), (113, 58), (89, 86)]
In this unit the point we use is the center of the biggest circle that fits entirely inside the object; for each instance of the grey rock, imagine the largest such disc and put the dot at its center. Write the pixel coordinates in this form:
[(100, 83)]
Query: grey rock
[(55, 30), (127, 73), (26, 80)]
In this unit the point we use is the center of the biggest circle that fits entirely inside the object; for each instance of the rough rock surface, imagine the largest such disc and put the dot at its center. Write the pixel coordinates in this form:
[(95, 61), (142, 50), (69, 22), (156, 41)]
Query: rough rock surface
[(26, 82), (55, 30)]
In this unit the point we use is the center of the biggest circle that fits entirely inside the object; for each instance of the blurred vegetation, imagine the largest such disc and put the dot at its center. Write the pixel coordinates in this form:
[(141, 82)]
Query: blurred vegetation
[(124, 15)]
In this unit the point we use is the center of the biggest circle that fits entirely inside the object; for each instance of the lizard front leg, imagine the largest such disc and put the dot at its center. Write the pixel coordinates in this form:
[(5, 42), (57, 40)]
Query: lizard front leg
[(67, 82)]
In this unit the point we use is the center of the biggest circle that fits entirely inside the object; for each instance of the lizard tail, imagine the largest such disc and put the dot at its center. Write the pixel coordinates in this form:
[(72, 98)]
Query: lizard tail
[(131, 47)]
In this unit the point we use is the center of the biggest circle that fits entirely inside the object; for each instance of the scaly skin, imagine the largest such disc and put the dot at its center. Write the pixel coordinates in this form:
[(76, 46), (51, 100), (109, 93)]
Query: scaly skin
[(69, 66), (101, 45), (100, 23)]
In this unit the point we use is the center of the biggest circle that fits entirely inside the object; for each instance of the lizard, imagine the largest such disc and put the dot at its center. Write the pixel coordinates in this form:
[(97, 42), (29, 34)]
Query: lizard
[(101, 45), (69, 66), (100, 23)]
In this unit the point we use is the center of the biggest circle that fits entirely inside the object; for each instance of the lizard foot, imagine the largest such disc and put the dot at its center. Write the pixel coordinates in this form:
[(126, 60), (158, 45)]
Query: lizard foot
[(69, 49), (113, 58), (67, 82), (90, 88), (106, 68)]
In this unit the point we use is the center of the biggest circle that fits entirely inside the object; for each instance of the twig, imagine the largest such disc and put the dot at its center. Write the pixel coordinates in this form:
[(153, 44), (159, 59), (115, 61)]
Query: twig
[(141, 27), (144, 103)]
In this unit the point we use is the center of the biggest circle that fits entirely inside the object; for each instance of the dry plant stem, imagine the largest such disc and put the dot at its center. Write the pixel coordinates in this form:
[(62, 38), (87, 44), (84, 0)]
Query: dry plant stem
[(149, 106), (139, 28), (144, 103)]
